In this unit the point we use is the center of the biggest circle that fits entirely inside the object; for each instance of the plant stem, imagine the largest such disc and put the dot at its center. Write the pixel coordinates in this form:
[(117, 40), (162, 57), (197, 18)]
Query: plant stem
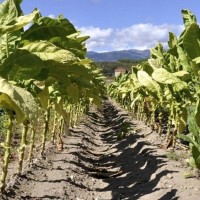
[(54, 128), (46, 127), (7, 145), (32, 142), (22, 146)]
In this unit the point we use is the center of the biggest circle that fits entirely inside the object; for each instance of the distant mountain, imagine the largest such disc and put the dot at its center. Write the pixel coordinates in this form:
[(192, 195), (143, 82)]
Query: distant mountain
[(113, 56)]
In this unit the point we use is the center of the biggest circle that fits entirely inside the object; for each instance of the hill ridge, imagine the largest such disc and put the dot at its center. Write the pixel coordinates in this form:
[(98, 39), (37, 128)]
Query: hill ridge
[(114, 56)]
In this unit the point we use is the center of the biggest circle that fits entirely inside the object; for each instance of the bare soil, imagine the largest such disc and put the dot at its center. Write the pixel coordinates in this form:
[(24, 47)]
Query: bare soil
[(96, 165)]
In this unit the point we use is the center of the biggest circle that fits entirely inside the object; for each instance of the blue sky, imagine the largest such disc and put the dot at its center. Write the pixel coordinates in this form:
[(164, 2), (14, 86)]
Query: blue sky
[(119, 24)]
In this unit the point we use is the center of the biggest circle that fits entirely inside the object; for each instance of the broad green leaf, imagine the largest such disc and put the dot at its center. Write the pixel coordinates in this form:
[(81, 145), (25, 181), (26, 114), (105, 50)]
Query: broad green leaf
[(148, 82), (48, 51), (161, 75), (60, 71), (46, 28), (70, 44), (18, 100), (21, 65), (191, 41), (29, 105), (7, 102)]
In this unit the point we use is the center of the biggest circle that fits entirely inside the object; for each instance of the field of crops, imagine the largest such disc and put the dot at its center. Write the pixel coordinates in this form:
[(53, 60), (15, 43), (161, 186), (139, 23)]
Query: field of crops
[(164, 91), (56, 118)]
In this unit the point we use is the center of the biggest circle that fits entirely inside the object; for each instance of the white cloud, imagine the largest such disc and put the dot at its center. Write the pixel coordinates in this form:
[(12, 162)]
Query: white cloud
[(98, 37), (51, 16), (138, 36)]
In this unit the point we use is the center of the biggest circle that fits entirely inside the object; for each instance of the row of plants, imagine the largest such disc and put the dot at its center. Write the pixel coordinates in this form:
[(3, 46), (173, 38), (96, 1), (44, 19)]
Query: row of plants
[(44, 77), (165, 90)]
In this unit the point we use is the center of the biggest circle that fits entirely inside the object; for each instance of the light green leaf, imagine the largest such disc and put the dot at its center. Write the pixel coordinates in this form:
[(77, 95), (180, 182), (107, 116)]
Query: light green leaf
[(19, 23), (184, 61), (154, 63), (48, 51), (148, 82), (8, 12), (161, 75), (28, 105), (188, 18), (18, 100)]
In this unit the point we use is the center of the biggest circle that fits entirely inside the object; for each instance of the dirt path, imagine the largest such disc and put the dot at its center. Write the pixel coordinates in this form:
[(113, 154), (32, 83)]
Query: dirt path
[(95, 165)]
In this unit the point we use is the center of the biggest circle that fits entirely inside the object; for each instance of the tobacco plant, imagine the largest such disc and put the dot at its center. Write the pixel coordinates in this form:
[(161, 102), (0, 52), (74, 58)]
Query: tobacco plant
[(168, 84), (42, 67)]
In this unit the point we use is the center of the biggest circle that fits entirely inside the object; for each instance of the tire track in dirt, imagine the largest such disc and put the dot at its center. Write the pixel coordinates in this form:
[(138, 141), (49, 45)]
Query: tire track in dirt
[(95, 165)]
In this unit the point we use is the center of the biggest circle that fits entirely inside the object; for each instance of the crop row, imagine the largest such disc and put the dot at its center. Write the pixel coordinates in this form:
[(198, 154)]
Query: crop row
[(44, 72), (166, 88)]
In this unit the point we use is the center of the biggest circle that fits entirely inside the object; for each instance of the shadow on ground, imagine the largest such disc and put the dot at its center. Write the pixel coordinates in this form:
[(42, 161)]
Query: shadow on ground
[(135, 159)]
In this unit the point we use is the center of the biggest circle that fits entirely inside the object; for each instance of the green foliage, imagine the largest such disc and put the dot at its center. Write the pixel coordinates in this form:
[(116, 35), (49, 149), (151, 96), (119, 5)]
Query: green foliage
[(168, 82), (42, 68)]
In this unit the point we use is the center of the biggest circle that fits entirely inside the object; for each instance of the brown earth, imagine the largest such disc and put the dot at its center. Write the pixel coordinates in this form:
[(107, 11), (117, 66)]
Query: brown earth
[(96, 165)]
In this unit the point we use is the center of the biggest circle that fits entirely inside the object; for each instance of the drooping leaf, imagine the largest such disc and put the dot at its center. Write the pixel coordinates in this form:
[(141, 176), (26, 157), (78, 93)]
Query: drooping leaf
[(18, 100), (46, 28), (48, 51), (19, 23), (21, 65), (29, 105), (70, 44)]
